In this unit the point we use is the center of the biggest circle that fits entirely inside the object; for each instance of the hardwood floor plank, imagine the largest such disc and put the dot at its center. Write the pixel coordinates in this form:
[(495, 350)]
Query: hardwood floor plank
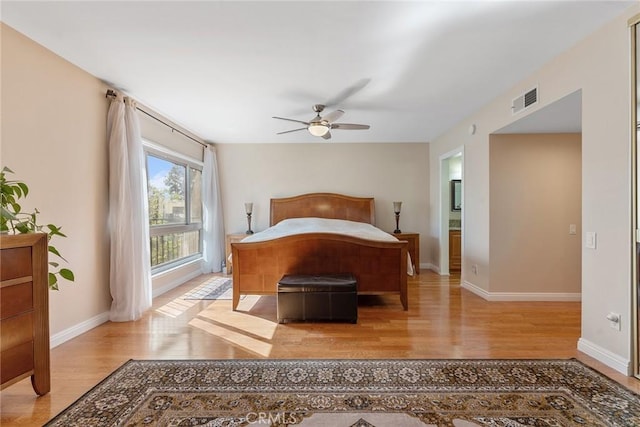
[(443, 321)]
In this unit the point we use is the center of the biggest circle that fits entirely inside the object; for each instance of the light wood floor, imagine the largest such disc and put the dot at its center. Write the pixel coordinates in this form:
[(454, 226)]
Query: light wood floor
[(443, 321)]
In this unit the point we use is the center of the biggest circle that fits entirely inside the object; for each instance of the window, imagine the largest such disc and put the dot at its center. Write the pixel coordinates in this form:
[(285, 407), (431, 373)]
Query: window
[(175, 210)]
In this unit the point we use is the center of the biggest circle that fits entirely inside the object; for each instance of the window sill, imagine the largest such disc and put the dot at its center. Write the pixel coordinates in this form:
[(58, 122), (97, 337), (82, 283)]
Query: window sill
[(173, 267)]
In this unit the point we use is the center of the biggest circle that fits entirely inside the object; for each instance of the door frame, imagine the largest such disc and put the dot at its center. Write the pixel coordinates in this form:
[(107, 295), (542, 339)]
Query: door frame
[(634, 27)]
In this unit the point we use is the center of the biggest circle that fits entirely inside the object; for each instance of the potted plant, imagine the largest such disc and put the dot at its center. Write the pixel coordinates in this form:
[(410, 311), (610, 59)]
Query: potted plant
[(14, 221)]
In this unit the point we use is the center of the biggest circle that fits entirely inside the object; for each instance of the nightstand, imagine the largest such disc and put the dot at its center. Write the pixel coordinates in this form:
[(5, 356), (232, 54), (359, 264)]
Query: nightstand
[(232, 238), (413, 248)]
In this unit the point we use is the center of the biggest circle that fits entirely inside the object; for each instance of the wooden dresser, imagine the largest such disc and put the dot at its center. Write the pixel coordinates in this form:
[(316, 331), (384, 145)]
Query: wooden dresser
[(24, 310)]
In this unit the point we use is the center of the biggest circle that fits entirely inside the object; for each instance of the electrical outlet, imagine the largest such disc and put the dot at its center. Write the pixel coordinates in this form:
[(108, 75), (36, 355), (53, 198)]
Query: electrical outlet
[(615, 321), (590, 240), (474, 268), (572, 229)]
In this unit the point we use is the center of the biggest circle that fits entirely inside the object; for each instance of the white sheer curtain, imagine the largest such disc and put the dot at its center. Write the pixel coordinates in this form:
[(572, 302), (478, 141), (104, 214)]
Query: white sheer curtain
[(130, 275), (212, 225)]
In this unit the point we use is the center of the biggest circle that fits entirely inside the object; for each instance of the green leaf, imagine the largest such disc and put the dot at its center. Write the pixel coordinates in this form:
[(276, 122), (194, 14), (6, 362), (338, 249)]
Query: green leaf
[(17, 191), (54, 264), (22, 227), (6, 214), (67, 274), (54, 251), (52, 281), (24, 187), (6, 169), (54, 230), (9, 199)]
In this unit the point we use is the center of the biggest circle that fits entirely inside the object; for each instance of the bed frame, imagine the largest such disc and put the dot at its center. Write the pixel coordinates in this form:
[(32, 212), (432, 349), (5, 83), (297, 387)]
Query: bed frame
[(380, 267)]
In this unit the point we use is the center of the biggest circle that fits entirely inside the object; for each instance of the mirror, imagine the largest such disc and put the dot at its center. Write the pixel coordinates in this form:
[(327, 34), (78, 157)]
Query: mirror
[(456, 195)]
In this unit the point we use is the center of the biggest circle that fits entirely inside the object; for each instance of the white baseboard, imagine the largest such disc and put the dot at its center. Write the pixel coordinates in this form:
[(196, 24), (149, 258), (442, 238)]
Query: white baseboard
[(603, 355), (87, 325), (475, 289), (79, 329), (166, 287), (522, 296), (430, 266)]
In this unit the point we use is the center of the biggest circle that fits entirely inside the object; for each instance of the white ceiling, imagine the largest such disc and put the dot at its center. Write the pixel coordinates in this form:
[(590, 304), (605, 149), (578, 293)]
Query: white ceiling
[(222, 69)]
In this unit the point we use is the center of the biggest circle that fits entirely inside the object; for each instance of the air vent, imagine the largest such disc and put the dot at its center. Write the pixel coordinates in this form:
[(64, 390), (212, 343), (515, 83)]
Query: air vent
[(524, 101)]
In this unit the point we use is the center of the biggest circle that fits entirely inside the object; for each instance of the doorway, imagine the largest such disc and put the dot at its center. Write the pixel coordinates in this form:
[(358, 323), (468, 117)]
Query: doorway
[(451, 211)]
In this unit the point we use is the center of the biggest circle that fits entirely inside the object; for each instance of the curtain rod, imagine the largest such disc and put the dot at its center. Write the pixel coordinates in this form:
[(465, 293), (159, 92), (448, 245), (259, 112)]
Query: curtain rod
[(112, 94)]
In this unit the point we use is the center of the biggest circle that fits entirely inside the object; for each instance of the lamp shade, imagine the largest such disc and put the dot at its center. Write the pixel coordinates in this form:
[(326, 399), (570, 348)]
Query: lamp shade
[(248, 207), (397, 206)]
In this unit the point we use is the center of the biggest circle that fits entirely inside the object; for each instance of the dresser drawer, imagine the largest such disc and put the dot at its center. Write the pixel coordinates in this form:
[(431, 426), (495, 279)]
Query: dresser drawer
[(16, 330), (24, 311), (16, 361), (16, 262), (16, 299)]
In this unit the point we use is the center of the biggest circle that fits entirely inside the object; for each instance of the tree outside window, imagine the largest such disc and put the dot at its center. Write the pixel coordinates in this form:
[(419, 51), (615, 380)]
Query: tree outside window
[(175, 214)]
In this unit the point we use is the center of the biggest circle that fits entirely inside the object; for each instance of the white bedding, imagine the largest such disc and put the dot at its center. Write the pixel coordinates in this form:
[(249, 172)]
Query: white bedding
[(293, 226)]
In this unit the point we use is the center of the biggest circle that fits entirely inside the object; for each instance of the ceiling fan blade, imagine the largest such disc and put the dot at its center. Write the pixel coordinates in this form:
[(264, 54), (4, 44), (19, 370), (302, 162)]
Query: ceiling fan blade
[(349, 126), (333, 116), (348, 92), (289, 131), (291, 120), (327, 135)]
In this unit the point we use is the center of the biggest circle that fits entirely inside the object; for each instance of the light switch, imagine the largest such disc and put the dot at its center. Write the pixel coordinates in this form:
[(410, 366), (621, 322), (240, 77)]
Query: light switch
[(590, 240), (572, 229)]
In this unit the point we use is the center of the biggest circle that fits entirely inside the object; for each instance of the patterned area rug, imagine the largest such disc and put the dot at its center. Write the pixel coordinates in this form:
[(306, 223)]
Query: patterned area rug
[(458, 393), (216, 288)]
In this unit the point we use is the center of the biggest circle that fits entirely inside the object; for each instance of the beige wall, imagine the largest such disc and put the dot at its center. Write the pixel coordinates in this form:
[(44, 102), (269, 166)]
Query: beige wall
[(600, 66), (388, 172), (535, 186), (53, 137)]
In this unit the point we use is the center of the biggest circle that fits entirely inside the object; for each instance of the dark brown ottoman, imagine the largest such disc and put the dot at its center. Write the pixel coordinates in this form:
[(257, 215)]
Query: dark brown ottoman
[(326, 297)]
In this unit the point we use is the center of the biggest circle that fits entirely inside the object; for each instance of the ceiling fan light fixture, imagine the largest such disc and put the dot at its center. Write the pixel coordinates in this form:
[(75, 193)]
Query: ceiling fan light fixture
[(318, 129), (322, 126)]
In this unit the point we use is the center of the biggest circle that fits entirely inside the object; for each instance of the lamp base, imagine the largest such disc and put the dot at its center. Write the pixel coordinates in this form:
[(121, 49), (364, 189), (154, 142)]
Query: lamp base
[(397, 231), (249, 231)]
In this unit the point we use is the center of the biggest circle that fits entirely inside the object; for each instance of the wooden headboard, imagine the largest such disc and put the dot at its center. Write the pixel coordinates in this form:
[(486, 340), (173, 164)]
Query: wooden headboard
[(323, 205)]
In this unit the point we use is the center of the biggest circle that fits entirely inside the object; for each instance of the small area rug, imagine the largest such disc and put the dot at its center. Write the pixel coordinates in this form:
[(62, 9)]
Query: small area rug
[(363, 393), (216, 288)]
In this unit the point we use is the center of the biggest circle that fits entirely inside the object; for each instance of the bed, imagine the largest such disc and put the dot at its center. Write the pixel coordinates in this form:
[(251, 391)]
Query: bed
[(380, 267)]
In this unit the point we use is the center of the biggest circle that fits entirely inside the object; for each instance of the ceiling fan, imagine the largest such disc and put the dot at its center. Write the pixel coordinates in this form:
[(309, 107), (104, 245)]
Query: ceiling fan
[(321, 126)]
